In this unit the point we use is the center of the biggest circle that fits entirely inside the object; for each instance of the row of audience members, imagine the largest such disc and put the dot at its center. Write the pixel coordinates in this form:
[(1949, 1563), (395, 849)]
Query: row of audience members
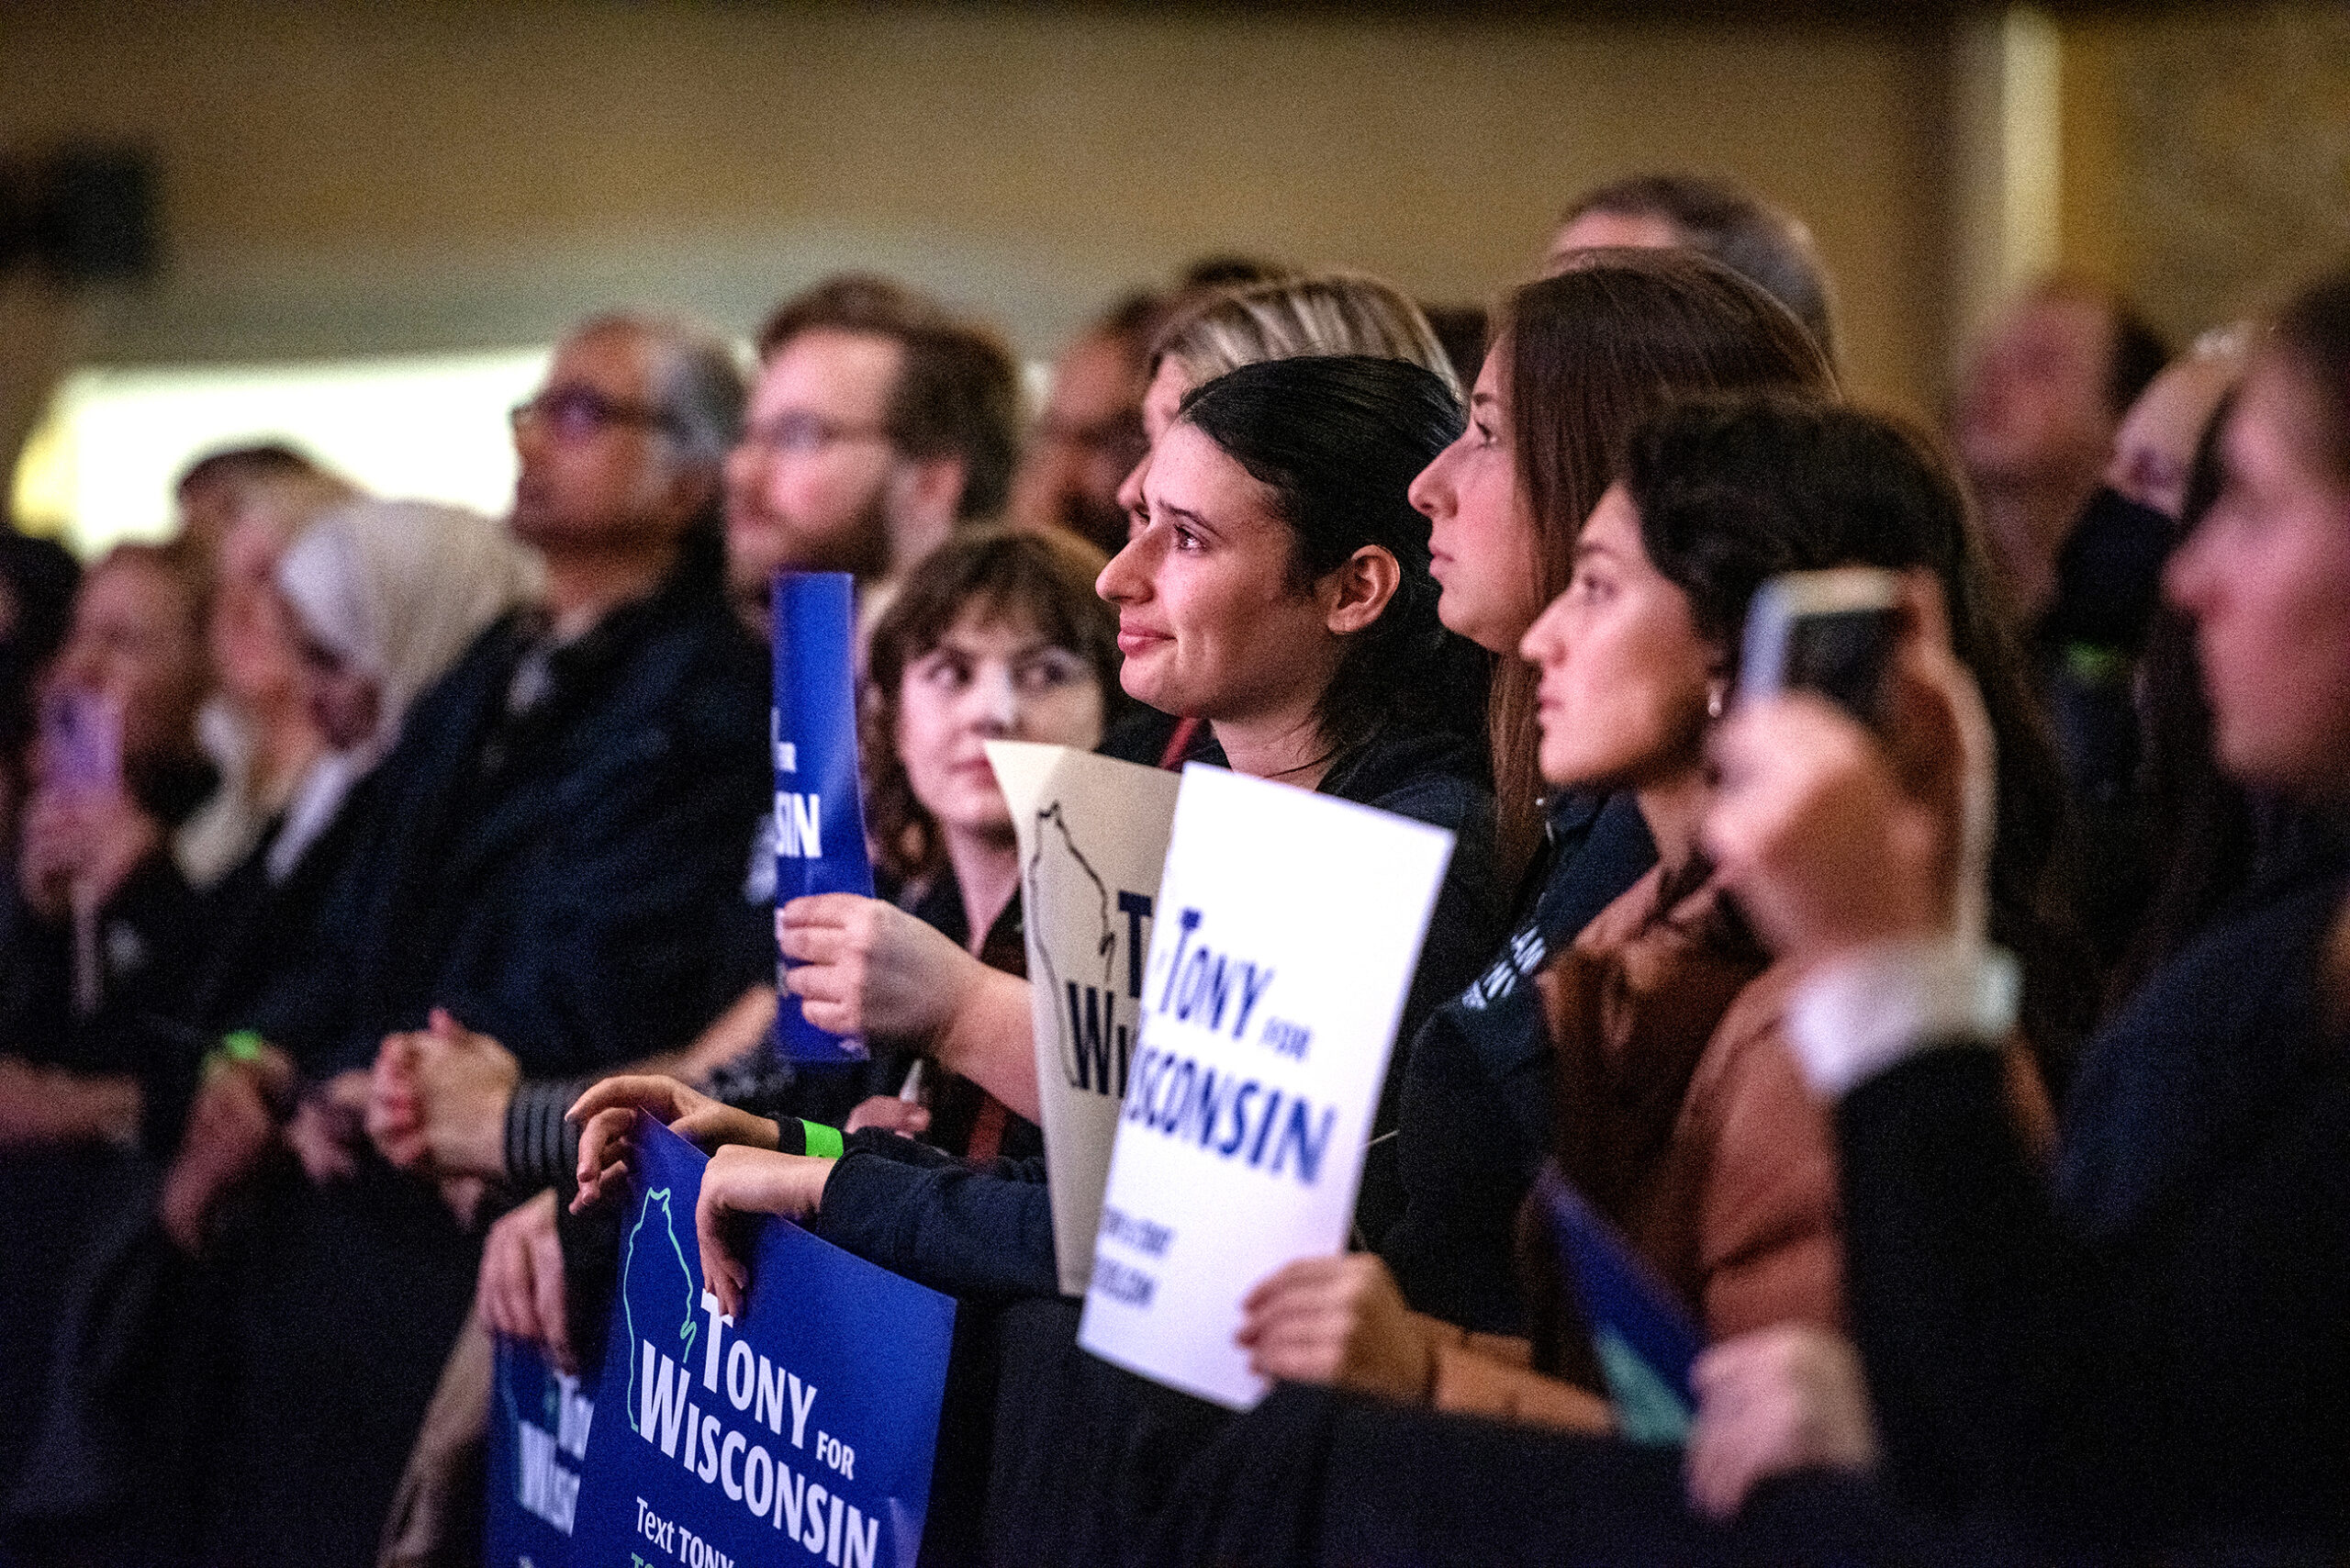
[(455, 859)]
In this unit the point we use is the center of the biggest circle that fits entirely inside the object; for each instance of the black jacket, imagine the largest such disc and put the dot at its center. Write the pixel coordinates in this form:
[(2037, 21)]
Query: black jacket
[(2151, 1348), (560, 880), (1475, 1119), (1080, 1451)]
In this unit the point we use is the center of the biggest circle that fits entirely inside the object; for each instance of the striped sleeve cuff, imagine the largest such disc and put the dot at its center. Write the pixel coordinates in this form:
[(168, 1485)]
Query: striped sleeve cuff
[(541, 1148)]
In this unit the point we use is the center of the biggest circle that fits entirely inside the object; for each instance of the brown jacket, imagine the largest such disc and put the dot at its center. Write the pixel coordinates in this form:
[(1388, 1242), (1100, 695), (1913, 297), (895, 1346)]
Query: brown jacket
[(1686, 1119)]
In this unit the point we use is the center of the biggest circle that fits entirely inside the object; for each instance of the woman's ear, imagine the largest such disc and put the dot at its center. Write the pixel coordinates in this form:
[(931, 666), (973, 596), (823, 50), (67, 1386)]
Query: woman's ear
[(1356, 591)]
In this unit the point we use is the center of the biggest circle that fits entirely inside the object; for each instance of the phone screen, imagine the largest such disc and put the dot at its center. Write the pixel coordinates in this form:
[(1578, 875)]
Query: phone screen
[(81, 742), (1843, 654)]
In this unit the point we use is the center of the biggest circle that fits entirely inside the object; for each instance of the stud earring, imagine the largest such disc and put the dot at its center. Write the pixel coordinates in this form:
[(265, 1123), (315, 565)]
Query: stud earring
[(1713, 701)]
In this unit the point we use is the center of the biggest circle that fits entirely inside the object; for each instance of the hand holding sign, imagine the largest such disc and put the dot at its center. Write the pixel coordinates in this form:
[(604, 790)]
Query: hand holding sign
[(864, 967), (1338, 1321), (819, 811), (1288, 927), (521, 1290), (607, 1114), (743, 1184), (799, 1429)]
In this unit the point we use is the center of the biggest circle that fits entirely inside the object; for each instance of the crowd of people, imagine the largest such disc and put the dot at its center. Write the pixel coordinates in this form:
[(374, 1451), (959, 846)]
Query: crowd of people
[(1971, 1069)]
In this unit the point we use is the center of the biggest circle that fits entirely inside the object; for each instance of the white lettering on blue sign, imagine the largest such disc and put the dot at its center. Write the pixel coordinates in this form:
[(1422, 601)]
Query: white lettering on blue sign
[(799, 825)]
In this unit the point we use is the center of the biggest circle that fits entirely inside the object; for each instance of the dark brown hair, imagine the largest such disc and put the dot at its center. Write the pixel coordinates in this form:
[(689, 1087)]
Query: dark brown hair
[(2312, 336), (1336, 440), (1587, 355), (957, 392), (1044, 579)]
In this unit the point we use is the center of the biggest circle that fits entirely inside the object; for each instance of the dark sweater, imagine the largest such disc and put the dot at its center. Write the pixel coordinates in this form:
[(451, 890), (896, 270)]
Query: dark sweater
[(1477, 1100), (559, 877), (553, 873), (2152, 1347)]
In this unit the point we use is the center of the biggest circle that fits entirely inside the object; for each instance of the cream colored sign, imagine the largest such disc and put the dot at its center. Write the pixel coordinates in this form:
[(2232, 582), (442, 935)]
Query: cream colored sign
[(1093, 838)]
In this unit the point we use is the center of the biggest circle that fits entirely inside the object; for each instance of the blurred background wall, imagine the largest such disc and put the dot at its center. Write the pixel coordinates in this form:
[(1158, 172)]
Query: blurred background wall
[(340, 181)]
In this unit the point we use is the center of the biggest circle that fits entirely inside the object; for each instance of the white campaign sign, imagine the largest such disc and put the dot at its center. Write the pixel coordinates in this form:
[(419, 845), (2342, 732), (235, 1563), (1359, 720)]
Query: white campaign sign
[(1289, 926), (1092, 838)]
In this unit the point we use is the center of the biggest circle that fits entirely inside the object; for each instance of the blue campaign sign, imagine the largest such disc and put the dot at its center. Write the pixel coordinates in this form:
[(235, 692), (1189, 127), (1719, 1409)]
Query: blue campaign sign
[(539, 1421), (804, 1433), (1645, 1341), (819, 812)]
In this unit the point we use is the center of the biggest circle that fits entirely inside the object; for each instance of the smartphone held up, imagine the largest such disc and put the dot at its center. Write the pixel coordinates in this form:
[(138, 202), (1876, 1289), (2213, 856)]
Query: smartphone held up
[(1831, 631)]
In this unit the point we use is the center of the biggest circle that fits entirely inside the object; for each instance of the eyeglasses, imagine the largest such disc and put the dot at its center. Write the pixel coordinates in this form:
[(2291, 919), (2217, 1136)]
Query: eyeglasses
[(576, 413), (1119, 437), (804, 435)]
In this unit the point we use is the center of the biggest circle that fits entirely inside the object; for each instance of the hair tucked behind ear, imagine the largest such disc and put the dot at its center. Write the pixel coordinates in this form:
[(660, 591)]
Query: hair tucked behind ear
[(1339, 441)]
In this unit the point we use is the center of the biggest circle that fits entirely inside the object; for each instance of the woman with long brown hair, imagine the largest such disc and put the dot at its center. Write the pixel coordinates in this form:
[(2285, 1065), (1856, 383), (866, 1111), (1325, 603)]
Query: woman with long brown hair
[(1577, 361)]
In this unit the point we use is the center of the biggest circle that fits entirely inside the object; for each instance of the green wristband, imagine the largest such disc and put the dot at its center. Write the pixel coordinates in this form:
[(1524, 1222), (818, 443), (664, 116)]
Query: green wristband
[(823, 1142), (242, 1045)]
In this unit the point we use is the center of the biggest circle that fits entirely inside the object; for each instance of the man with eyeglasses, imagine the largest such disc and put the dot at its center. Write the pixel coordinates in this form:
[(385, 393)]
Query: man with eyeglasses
[(1089, 435), (879, 422), (552, 848)]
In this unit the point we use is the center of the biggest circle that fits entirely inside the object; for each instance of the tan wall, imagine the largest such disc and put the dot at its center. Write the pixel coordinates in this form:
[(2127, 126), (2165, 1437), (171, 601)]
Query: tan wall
[(2214, 166), (350, 177)]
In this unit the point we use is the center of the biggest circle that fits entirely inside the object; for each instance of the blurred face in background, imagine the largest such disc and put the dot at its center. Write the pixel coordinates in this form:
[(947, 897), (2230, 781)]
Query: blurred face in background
[(2267, 577), (1611, 230), (1169, 386), (256, 657), (1625, 675), (136, 642), (599, 468), (344, 702), (1481, 540), (811, 484), (1084, 443), (2031, 404), (992, 677)]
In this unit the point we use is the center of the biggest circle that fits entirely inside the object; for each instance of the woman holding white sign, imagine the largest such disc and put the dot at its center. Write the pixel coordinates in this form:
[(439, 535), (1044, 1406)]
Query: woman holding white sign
[(1278, 587), (913, 988)]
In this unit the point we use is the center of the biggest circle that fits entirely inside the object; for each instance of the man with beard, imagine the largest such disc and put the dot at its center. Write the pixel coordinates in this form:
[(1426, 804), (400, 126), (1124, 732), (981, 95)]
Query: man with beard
[(880, 422), (1090, 436)]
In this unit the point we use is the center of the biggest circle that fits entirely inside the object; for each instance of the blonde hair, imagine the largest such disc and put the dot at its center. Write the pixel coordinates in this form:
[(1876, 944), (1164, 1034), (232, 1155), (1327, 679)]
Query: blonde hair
[(1324, 313)]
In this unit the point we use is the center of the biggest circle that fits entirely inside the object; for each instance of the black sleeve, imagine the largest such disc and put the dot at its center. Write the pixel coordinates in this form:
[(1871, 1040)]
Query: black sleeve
[(1990, 1355), (1465, 1168), (979, 1234), (609, 928), (1464, 930)]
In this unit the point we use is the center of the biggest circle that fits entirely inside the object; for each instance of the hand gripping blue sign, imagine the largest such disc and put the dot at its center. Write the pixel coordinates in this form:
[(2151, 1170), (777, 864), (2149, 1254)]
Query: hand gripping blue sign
[(802, 1434), (1645, 1340), (819, 812), (539, 1420)]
